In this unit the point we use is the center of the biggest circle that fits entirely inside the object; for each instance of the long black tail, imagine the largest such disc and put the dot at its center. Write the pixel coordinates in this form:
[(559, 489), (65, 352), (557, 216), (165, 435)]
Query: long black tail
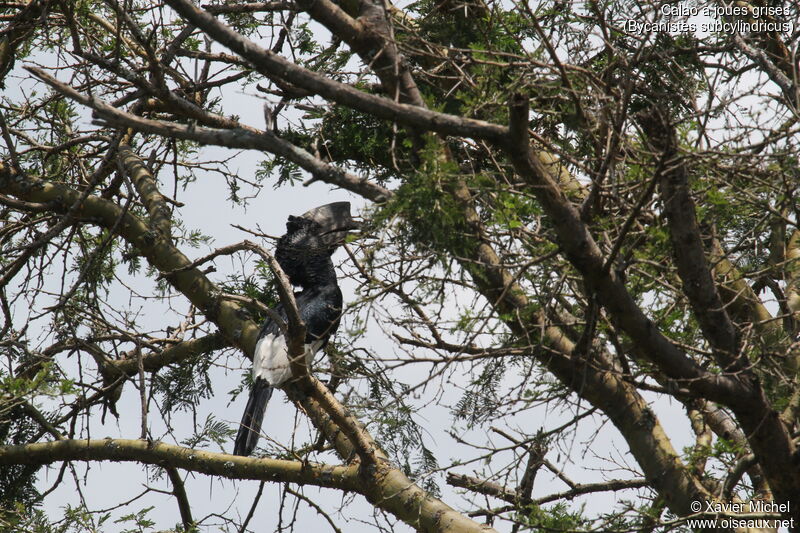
[(250, 427)]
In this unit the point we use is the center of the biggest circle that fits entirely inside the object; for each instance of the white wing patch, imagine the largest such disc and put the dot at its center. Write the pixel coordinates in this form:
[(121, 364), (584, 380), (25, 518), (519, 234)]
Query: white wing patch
[(271, 358)]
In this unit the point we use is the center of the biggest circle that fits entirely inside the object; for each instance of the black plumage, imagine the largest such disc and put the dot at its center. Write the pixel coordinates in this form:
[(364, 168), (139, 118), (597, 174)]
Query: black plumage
[(304, 254)]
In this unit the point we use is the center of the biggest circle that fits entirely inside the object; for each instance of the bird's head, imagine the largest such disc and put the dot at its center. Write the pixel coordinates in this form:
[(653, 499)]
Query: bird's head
[(334, 221), (304, 250)]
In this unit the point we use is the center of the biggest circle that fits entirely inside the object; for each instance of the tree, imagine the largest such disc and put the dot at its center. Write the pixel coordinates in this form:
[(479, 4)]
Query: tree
[(587, 209)]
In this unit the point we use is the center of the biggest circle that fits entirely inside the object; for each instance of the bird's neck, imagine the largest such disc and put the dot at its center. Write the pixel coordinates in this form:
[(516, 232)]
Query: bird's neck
[(319, 275)]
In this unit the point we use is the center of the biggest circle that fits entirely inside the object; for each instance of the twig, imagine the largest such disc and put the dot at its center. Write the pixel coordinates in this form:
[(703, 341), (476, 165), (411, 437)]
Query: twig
[(252, 510), (179, 490), (12, 152), (284, 286), (40, 419), (489, 488), (314, 506), (142, 392)]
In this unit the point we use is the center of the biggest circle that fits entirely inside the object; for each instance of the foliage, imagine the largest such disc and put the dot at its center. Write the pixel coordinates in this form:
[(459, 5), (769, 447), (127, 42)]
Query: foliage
[(502, 293)]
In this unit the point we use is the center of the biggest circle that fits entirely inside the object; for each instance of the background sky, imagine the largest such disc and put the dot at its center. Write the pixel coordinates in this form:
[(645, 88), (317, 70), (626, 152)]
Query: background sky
[(600, 450)]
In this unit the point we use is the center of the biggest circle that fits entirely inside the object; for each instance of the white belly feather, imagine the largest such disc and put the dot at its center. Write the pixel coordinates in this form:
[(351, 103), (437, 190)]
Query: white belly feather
[(271, 358)]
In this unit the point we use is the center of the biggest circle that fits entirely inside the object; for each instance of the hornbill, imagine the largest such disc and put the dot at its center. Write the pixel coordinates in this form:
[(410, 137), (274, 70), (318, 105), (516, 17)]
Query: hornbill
[(304, 254)]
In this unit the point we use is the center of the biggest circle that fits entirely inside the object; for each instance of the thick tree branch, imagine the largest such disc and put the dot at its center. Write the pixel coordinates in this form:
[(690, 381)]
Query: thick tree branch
[(793, 273), (382, 484), (17, 32), (146, 187), (362, 443), (583, 252), (370, 36), (739, 297), (687, 245), (761, 58), (249, 7), (175, 353), (272, 65), (189, 459)]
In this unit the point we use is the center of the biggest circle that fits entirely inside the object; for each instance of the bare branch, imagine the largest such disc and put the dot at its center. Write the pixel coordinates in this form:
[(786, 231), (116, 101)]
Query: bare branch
[(189, 459), (511, 496)]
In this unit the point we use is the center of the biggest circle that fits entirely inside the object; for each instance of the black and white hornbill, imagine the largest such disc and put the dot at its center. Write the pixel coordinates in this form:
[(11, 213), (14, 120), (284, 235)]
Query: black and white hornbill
[(304, 254)]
